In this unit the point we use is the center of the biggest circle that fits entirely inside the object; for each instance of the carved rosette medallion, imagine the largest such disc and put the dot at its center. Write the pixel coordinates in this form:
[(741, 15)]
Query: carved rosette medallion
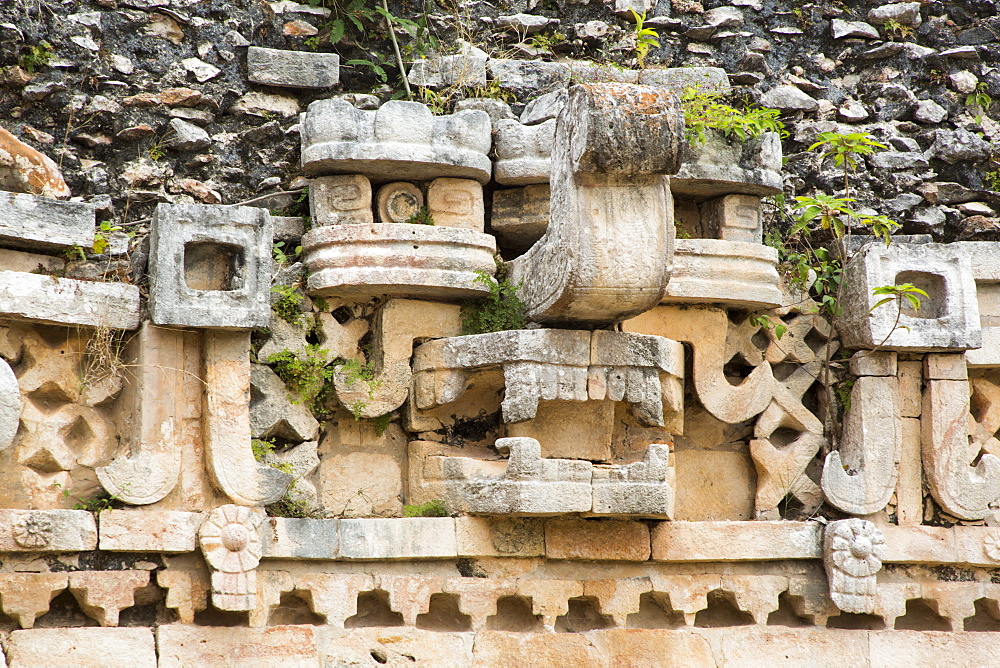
[(230, 541), (852, 554), (32, 531), (991, 545)]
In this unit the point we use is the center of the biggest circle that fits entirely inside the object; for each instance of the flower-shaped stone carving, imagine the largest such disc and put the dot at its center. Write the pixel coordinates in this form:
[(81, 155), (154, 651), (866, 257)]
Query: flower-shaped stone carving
[(32, 531), (856, 547), (230, 539), (991, 545)]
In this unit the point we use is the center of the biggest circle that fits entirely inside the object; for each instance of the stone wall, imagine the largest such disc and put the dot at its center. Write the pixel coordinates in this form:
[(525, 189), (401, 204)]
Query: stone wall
[(249, 411)]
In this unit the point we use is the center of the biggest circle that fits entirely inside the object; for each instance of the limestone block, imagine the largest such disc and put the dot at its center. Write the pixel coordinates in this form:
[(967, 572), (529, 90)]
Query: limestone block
[(36, 222), (736, 541), (688, 593), (520, 215), (10, 405), (226, 424), (180, 645), (547, 106), (273, 413), (270, 586), (571, 429), (149, 530), (713, 485), (945, 366), (986, 271), (606, 256), (334, 596), (26, 596), (529, 485), (677, 79), (361, 261), (963, 490), (152, 409), (65, 301), (730, 273), (398, 201), (852, 555), (874, 363), (301, 462), (409, 595), (947, 320), (15, 260), (860, 477), (500, 537), (341, 200), (187, 591), (397, 325), (550, 598), (611, 540), (502, 648), (299, 538), (723, 167), (643, 488), (209, 266), (618, 598), (734, 218), (23, 169), (523, 152), (457, 203), (706, 330), (775, 645), (909, 483), (528, 75), (398, 138), (292, 69), (398, 647), (47, 531), (888, 648), (755, 594), (466, 68), (409, 538), (102, 595), (82, 647)]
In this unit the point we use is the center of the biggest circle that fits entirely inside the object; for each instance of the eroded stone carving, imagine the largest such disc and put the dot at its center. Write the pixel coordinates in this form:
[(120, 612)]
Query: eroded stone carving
[(606, 253), (398, 201), (399, 138), (555, 364), (731, 273), (230, 541), (643, 488), (65, 301), (853, 550), (10, 405), (861, 476), (456, 203), (341, 200), (523, 152)]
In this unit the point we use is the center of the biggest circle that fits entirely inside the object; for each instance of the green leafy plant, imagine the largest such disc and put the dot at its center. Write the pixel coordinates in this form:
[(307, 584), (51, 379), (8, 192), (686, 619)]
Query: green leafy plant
[(37, 56), (845, 148), (893, 29), (98, 504), (309, 374), (356, 372), (500, 310), (421, 217), (993, 179), (433, 508), (900, 295), (382, 423), (704, 110), (765, 321), (979, 101), (492, 90), (101, 241), (546, 40), (282, 256), (287, 307), (645, 38)]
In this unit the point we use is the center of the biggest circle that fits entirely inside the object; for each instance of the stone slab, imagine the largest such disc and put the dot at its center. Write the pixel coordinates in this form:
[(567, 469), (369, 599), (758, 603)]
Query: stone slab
[(36, 222), (149, 530), (406, 538), (299, 538), (596, 540), (287, 646), (292, 69), (94, 646), (500, 536), (736, 541), (64, 301), (47, 530), (13, 260)]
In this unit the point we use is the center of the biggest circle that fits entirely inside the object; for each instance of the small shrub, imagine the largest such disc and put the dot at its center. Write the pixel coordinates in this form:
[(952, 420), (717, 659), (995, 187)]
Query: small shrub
[(704, 110), (434, 508), (500, 310), (287, 306), (421, 217), (38, 56), (309, 374)]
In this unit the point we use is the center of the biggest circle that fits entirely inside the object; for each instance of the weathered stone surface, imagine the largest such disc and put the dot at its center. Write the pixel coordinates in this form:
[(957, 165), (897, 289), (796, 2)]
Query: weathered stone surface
[(734, 218), (508, 650), (713, 485), (410, 538), (341, 200), (362, 261), (523, 152), (209, 266), (292, 69), (963, 490), (398, 202), (642, 488), (187, 589), (399, 138), (736, 541), (677, 79), (903, 13), (723, 167), (611, 540), (520, 215), (591, 267), (861, 477), (47, 531), (457, 203), (187, 136), (466, 68), (38, 222), (841, 29), (64, 301), (82, 647), (852, 555), (149, 530), (10, 405), (528, 75), (299, 538), (180, 645), (26, 596), (25, 170), (958, 146), (788, 98), (402, 646), (544, 107), (273, 413), (945, 366), (948, 319), (500, 537), (909, 483), (102, 595), (929, 111), (226, 424)]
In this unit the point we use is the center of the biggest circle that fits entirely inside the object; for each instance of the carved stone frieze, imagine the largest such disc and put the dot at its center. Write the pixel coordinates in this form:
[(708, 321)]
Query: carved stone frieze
[(852, 554), (230, 541)]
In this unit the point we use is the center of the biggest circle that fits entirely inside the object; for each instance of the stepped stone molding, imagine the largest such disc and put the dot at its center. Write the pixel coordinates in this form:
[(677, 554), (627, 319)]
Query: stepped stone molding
[(947, 320), (210, 266), (852, 555), (731, 273), (607, 251), (555, 364), (65, 301), (425, 262), (523, 152), (399, 139), (861, 477), (723, 167), (35, 222)]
